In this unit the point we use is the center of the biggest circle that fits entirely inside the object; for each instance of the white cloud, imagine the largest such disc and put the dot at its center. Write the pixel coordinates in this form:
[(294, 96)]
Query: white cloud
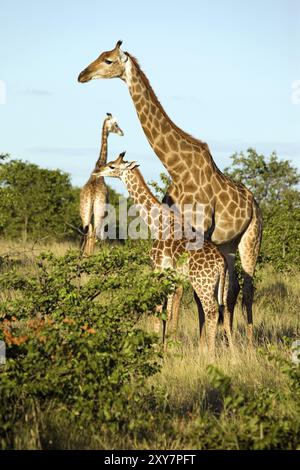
[(37, 92)]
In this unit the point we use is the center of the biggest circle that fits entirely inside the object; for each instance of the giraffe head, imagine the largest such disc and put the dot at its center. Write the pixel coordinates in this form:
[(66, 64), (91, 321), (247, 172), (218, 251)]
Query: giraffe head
[(109, 64), (112, 126), (117, 168)]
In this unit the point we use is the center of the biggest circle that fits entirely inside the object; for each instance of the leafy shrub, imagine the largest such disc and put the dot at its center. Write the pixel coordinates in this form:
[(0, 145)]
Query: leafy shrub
[(72, 338), (275, 185)]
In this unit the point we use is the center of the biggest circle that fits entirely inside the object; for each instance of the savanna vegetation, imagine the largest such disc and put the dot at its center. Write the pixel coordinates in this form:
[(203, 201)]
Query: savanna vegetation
[(84, 368)]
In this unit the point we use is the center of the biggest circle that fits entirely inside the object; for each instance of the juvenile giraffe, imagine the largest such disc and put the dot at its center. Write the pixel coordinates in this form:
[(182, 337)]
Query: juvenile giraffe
[(206, 265), (94, 194), (232, 218)]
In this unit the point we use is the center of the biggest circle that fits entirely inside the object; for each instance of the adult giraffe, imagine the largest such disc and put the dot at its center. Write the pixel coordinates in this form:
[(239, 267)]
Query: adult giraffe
[(94, 194), (231, 216)]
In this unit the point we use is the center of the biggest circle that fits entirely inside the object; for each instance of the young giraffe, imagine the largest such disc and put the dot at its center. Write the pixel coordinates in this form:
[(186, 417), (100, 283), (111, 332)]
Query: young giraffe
[(93, 195), (206, 265), (232, 218)]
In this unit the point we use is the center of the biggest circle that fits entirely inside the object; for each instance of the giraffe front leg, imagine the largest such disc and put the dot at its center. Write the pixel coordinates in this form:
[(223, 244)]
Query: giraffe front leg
[(167, 321), (157, 319), (175, 310), (160, 262), (211, 323), (227, 328)]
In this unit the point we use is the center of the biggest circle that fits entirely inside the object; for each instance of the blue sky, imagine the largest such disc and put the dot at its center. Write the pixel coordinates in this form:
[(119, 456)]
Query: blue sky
[(223, 70)]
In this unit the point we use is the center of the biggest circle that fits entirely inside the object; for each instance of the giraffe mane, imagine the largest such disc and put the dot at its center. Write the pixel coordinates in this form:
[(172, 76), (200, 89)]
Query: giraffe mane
[(145, 80), (185, 135), (145, 185)]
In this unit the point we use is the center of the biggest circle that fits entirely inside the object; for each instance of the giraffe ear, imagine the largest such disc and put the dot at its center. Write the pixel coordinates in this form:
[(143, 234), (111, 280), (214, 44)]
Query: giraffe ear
[(123, 56), (131, 165)]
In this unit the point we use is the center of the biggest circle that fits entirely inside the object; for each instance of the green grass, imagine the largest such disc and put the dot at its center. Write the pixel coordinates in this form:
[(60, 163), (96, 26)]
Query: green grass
[(183, 387)]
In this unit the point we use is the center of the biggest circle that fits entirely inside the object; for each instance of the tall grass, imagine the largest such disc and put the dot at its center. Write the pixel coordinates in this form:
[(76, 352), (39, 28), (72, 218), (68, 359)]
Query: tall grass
[(276, 318)]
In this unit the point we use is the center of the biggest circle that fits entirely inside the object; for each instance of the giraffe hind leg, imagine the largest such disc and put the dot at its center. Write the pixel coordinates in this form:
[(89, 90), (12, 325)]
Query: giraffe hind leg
[(233, 289), (232, 283), (204, 287), (223, 285), (86, 206), (84, 239), (227, 314), (201, 318), (88, 243), (99, 212), (208, 275), (249, 249)]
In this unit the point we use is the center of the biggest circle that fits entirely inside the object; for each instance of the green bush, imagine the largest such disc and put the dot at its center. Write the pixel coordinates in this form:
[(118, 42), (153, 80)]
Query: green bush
[(37, 203), (72, 338), (275, 185)]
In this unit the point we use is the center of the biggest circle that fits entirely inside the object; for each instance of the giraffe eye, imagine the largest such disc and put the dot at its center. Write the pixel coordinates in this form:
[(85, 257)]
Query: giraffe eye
[(108, 62), (111, 167)]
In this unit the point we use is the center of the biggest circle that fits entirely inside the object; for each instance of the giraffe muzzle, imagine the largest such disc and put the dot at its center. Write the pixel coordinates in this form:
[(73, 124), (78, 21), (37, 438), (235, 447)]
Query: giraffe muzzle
[(84, 76)]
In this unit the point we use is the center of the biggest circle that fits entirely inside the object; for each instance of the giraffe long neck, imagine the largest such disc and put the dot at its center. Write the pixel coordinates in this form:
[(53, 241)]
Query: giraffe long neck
[(159, 219), (171, 144), (103, 150), (163, 222), (155, 216), (139, 190)]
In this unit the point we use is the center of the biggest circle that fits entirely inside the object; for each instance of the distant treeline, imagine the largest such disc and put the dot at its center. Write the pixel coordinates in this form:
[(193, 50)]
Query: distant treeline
[(36, 203)]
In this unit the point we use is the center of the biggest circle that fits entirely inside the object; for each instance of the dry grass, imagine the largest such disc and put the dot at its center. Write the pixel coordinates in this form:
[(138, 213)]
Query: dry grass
[(276, 317), (30, 250)]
